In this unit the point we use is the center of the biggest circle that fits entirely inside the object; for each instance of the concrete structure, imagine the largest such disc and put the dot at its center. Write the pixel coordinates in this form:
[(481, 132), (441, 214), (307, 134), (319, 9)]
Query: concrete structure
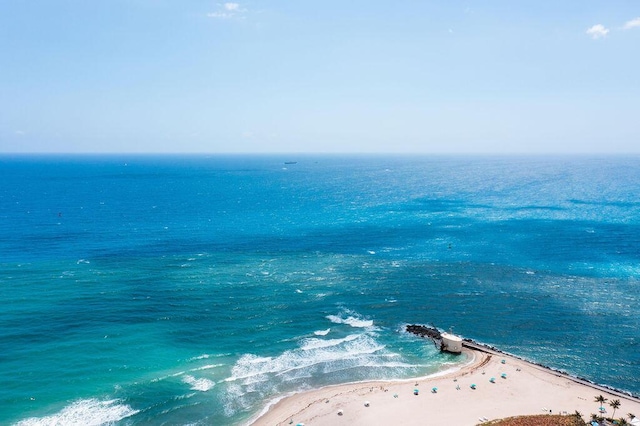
[(451, 343)]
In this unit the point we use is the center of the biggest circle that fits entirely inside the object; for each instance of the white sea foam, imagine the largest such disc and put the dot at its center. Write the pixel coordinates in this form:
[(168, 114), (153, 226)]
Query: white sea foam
[(309, 344), (168, 376), (254, 377), (316, 360), (350, 320), (203, 356), (201, 385), (312, 352), (85, 412), (208, 367)]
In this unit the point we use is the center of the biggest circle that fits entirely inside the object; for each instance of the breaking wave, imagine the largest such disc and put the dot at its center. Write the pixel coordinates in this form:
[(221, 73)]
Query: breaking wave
[(201, 385), (314, 362), (85, 412), (352, 320)]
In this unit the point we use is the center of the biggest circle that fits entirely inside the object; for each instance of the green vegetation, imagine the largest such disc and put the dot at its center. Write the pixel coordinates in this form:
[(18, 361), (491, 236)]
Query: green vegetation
[(539, 420)]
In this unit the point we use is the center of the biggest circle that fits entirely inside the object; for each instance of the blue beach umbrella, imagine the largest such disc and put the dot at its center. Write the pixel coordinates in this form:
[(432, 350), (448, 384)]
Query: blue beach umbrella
[(434, 390)]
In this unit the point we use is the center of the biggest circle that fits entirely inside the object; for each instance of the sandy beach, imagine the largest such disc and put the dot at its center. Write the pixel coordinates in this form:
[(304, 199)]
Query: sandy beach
[(504, 386)]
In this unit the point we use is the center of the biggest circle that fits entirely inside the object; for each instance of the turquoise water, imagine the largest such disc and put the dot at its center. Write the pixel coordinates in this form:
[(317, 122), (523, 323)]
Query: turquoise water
[(194, 290)]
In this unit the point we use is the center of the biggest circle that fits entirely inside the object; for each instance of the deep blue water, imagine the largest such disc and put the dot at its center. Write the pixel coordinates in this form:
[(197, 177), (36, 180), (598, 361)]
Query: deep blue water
[(175, 290)]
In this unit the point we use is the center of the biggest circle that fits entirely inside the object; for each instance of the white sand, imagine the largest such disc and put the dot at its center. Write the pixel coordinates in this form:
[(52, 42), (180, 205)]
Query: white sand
[(527, 389)]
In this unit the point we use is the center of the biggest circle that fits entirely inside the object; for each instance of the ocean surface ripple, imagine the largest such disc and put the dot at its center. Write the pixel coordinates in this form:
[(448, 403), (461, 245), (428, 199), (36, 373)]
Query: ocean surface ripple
[(196, 289)]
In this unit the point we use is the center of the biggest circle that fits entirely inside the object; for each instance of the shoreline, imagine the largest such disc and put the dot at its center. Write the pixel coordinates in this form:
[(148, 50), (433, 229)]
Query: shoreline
[(505, 385), (471, 357)]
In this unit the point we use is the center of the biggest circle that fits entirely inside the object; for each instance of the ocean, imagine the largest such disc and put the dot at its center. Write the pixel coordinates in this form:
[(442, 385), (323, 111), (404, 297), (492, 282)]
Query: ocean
[(197, 289)]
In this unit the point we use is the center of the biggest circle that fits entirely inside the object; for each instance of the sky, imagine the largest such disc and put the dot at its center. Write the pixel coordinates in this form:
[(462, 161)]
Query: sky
[(272, 76)]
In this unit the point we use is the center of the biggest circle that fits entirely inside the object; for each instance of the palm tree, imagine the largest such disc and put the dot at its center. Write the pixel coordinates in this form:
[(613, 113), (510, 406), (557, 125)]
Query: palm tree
[(601, 399), (615, 404), (579, 419), (623, 422), (631, 416)]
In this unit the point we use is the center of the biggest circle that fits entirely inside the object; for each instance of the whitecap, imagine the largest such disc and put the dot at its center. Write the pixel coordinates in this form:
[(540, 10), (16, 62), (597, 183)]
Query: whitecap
[(203, 356), (85, 412), (208, 367), (322, 332), (201, 385), (350, 320), (309, 344)]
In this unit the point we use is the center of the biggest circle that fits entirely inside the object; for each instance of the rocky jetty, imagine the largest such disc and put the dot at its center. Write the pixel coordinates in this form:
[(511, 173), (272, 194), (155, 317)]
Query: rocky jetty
[(426, 331)]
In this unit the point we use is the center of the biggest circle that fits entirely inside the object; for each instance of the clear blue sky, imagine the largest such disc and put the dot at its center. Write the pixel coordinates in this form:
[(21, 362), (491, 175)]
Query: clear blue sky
[(320, 76)]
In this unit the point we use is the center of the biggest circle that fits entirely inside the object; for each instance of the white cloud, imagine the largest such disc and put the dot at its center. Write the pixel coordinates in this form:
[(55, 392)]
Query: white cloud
[(20, 132), (632, 24), (227, 11), (597, 31)]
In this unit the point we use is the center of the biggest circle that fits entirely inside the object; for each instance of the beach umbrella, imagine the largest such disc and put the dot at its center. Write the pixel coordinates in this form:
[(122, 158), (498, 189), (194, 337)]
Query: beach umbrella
[(366, 403), (415, 391), (434, 390), (492, 380), (473, 386), (503, 375)]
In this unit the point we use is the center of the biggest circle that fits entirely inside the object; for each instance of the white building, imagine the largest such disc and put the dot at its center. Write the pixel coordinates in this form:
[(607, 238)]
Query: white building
[(451, 343)]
